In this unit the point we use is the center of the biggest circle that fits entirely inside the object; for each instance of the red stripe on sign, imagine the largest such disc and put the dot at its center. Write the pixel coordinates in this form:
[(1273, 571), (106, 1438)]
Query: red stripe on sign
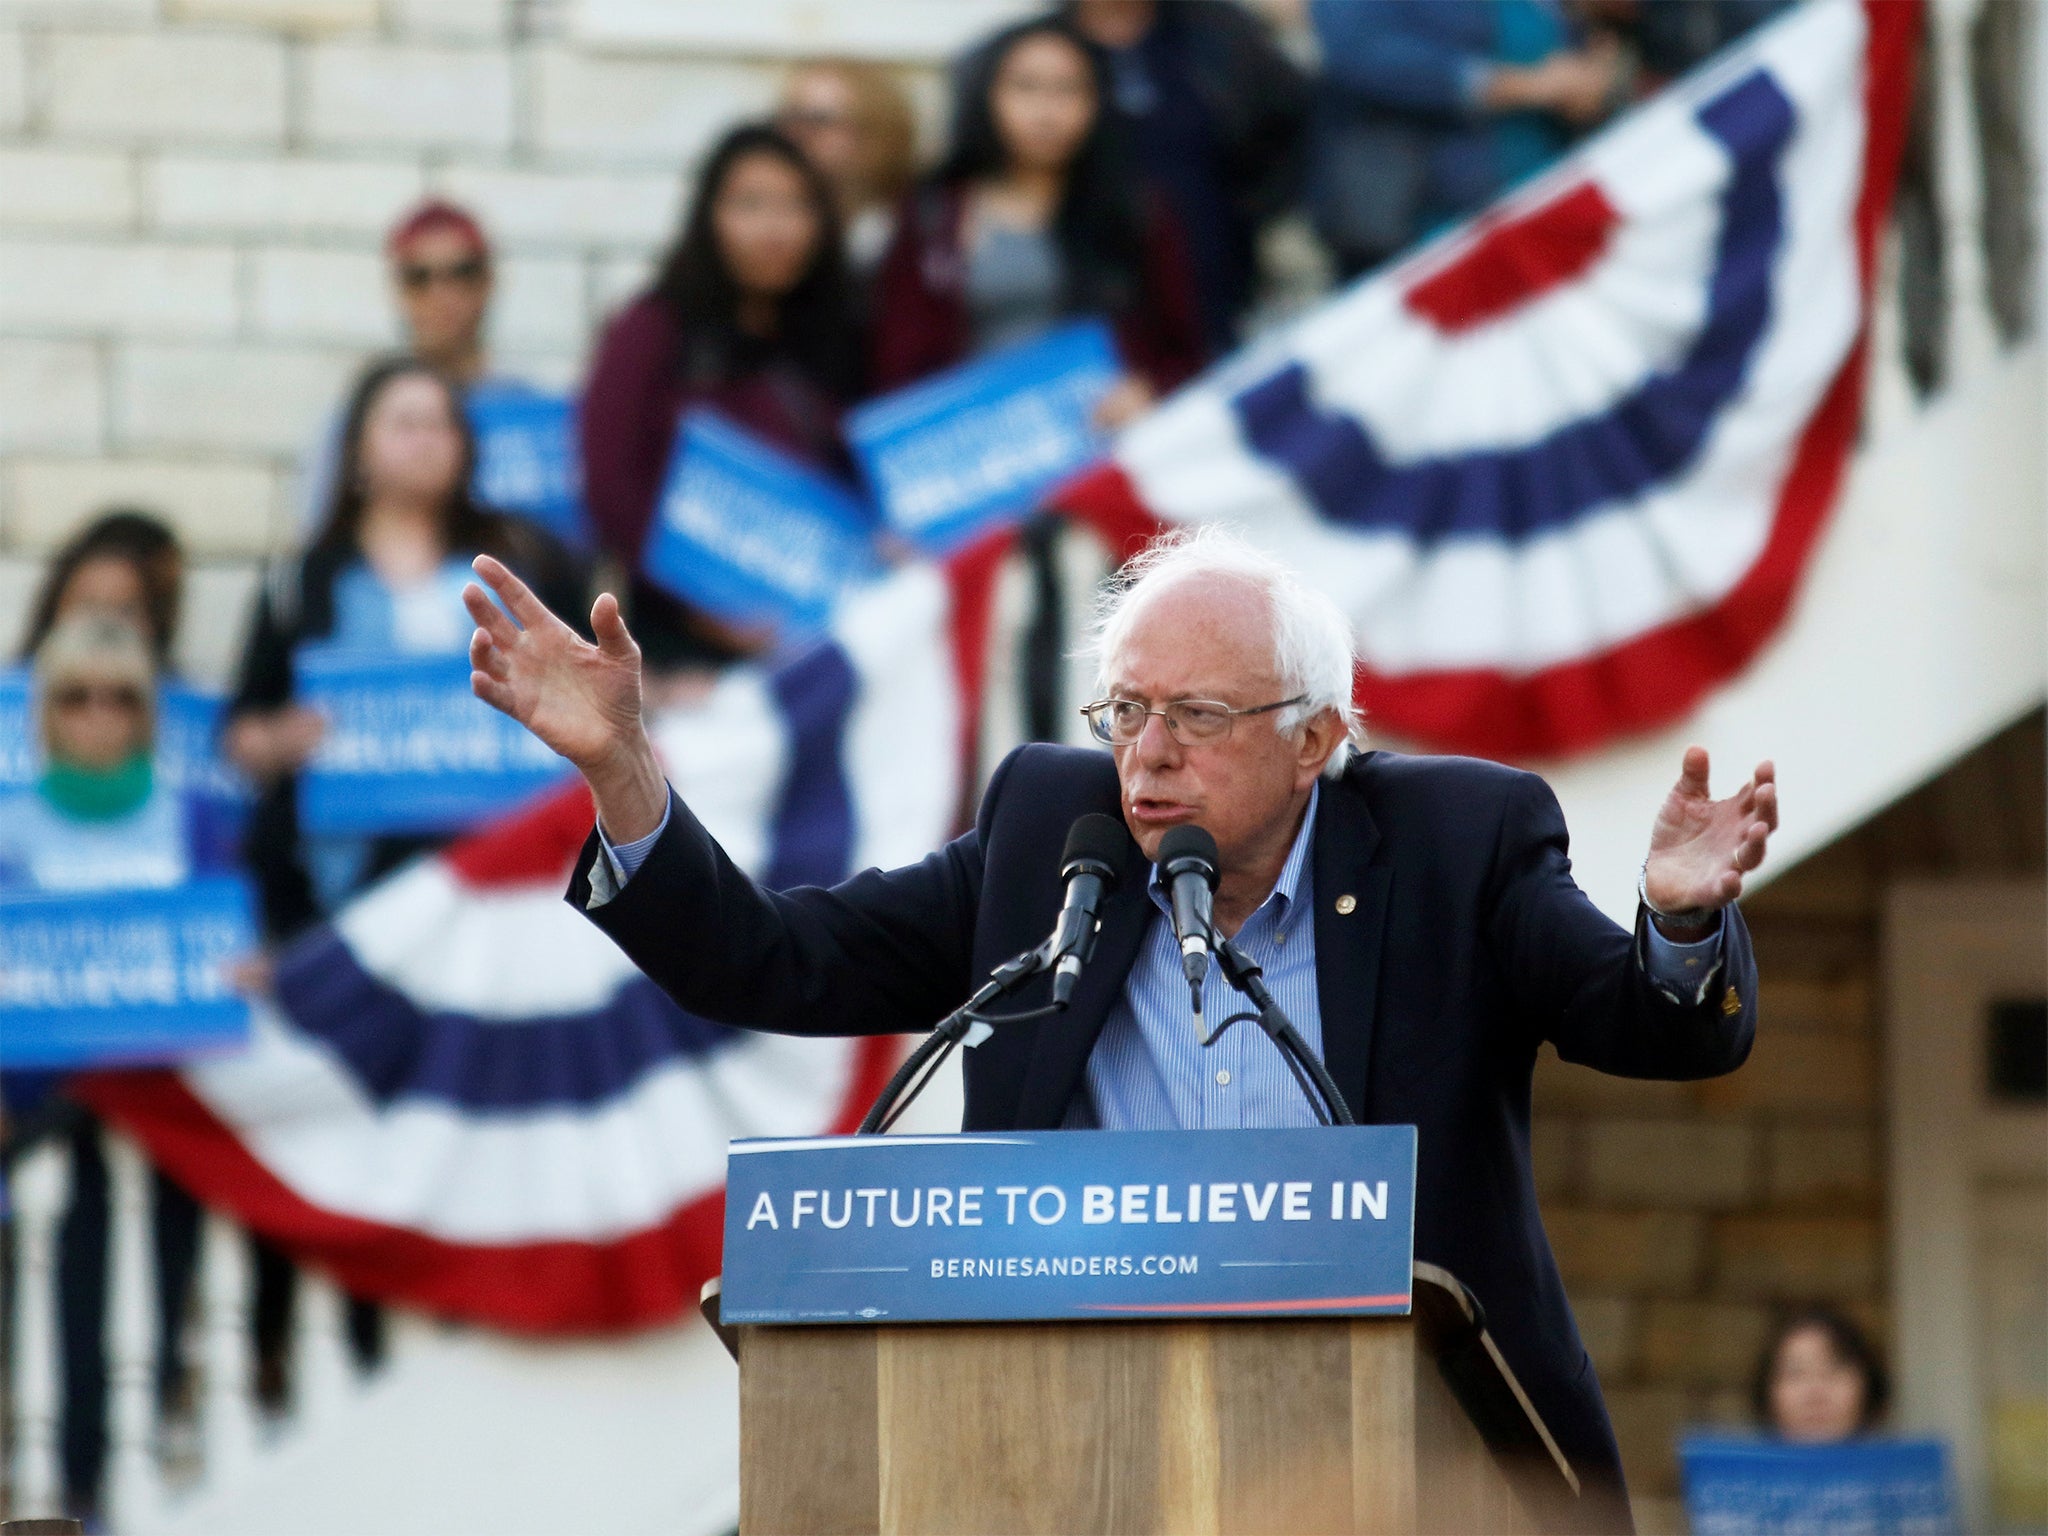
[(1305, 1304), (1506, 264)]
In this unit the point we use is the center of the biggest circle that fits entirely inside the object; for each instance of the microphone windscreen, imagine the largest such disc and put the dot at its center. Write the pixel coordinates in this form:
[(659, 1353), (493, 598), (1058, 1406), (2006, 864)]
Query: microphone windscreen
[(1095, 839), (1188, 842)]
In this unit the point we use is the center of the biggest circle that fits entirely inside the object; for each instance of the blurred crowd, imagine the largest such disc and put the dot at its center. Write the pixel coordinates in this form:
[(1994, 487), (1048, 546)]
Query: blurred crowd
[(1116, 159)]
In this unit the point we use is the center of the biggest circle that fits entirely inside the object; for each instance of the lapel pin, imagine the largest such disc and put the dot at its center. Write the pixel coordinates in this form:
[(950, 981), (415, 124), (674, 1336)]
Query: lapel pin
[(1346, 904)]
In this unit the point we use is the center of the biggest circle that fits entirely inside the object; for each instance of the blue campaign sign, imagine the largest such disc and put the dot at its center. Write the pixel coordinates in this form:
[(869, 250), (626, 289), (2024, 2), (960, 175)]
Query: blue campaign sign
[(408, 747), (107, 978), (1070, 1224), (974, 448), (527, 460), (20, 757), (187, 738), (749, 534), (1768, 1488)]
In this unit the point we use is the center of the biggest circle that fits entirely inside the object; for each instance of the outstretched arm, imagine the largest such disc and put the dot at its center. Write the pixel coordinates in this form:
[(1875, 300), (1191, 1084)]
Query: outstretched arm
[(583, 700)]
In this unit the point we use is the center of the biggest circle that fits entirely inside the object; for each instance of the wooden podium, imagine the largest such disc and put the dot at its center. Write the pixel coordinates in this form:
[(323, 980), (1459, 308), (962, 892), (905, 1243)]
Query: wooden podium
[(1216, 1425)]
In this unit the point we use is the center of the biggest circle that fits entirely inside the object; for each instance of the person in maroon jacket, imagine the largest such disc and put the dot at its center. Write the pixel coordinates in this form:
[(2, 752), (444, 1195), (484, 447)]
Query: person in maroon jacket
[(1035, 216), (750, 315)]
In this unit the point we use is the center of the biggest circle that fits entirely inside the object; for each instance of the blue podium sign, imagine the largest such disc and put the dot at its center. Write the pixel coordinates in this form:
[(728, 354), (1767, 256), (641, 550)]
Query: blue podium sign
[(1070, 1224), (751, 535), (974, 448), (408, 747), (1747, 1487), (107, 978), (527, 460)]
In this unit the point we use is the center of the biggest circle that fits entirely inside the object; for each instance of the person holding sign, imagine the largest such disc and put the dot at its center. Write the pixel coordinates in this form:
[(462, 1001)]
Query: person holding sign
[(384, 575), (1819, 1379), (99, 818), (1415, 916), (751, 316), (442, 276), (1036, 216)]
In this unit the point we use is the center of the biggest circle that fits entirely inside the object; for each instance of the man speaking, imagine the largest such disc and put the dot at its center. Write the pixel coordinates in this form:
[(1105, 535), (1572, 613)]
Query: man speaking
[(1416, 917)]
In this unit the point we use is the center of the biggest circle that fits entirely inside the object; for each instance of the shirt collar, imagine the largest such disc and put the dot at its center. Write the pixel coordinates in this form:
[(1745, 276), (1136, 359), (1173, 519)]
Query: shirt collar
[(1288, 886)]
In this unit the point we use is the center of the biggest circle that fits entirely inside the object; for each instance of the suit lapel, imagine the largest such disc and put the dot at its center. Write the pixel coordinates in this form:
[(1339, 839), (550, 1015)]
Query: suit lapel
[(1351, 895), (1060, 1053)]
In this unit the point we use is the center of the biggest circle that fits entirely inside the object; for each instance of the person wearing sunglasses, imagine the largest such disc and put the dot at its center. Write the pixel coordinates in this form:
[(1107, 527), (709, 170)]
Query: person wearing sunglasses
[(442, 277), (1415, 916), (99, 817)]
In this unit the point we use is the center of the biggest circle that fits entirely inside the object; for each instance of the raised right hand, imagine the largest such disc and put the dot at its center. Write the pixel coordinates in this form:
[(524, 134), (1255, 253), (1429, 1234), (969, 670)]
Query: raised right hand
[(583, 700)]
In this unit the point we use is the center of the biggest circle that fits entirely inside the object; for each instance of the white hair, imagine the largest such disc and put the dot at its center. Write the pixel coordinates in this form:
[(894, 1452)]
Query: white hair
[(1312, 652)]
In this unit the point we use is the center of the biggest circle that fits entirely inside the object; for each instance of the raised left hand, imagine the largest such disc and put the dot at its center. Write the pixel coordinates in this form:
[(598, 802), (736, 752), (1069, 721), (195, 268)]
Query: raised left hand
[(1700, 848)]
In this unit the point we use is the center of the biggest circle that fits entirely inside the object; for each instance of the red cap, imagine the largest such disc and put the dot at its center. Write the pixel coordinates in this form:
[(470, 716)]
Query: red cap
[(435, 214)]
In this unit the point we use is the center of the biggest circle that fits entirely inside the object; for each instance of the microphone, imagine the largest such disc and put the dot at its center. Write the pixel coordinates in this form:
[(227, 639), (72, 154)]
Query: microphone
[(1187, 862), (1088, 866)]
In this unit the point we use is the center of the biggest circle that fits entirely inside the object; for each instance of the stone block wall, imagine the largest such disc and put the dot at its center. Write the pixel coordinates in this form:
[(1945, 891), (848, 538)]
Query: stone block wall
[(1685, 1214), (193, 196)]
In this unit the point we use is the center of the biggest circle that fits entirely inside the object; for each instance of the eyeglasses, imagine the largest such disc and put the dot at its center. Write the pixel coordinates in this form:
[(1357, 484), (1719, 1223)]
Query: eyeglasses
[(798, 119), (77, 697), (418, 277), (1119, 722)]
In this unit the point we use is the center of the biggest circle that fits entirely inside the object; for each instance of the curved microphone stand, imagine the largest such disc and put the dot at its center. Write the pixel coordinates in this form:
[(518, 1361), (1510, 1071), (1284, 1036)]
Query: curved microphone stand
[(1243, 973)]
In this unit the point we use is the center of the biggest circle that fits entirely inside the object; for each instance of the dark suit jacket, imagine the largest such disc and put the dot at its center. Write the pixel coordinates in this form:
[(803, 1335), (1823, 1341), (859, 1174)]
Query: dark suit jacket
[(1466, 946)]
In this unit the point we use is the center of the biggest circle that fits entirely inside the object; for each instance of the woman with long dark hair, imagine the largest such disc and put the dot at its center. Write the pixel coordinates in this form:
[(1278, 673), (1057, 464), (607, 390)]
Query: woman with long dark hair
[(384, 573), (126, 563), (1036, 215), (750, 315)]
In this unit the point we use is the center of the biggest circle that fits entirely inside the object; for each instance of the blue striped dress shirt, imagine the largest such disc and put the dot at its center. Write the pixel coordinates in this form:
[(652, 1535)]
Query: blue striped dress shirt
[(1149, 1070)]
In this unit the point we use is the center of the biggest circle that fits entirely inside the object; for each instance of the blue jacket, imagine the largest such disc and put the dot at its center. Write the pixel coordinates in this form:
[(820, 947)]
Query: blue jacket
[(1400, 145), (1465, 946)]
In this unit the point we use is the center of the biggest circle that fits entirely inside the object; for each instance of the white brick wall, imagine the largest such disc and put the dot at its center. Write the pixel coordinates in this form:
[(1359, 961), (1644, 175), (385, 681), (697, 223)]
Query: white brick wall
[(273, 195), (260, 401), (145, 87), (415, 96), (66, 286), (13, 81), (314, 17), (66, 189), (541, 303), (657, 113), (216, 507), (194, 196), (487, 21), (559, 209), (312, 295), (51, 396)]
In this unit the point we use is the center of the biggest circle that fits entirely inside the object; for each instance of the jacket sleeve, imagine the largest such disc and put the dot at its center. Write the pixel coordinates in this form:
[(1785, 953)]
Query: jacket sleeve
[(263, 681), (1580, 978), (917, 329), (1397, 55), (624, 428), (1161, 336), (885, 952)]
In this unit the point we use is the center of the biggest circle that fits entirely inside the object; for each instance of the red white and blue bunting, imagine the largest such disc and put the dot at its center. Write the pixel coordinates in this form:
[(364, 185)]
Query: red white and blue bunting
[(1564, 466), (465, 1098)]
